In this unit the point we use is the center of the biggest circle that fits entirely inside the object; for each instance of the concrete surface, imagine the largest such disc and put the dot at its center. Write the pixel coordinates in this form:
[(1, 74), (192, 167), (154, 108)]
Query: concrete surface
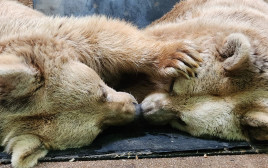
[(230, 161)]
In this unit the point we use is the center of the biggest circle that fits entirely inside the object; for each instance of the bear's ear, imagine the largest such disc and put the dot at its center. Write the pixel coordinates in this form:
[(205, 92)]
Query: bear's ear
[(17, 79), (236, 50)]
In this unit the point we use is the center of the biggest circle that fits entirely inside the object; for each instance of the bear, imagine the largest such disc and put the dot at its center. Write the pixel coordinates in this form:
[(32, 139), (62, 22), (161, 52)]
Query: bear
[(229, 97), (57, 76), (7, 9)]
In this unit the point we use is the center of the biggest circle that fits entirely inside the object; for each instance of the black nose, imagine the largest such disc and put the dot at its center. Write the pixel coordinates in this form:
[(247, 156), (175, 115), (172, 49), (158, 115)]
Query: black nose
[(138, 110), (139, 119)]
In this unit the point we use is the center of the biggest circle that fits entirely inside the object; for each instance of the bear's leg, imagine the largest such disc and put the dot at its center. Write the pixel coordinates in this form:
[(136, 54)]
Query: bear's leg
[(26, 150), (122, 48)]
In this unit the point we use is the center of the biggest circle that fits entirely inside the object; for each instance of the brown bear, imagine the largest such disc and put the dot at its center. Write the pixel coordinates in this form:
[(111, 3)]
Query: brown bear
[(54, 74), (229, 98)]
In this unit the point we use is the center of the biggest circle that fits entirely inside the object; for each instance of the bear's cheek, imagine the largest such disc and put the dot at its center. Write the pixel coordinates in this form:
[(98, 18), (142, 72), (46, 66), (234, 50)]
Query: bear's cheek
[(182, 86)]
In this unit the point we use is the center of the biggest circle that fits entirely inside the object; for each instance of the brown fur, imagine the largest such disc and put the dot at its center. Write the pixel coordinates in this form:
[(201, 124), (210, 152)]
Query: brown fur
[(10, 8), (28, 3), (53, 75), (229, 99)]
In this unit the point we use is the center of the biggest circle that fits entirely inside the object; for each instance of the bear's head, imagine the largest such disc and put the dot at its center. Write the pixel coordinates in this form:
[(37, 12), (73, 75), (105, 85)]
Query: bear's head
[(35, 92), (229, 88)]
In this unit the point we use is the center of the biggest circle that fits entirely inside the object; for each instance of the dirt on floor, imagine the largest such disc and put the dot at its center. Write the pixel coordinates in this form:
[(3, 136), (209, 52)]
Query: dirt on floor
[(233, 161), (27, 2)]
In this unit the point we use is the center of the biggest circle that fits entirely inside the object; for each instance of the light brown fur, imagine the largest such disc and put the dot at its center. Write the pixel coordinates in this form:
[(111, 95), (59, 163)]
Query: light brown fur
[(10, 8), (53, 75), (229, 99)]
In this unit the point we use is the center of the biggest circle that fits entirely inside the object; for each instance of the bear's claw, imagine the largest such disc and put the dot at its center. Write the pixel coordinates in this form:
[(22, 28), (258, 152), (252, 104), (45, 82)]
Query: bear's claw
[(182, 61)]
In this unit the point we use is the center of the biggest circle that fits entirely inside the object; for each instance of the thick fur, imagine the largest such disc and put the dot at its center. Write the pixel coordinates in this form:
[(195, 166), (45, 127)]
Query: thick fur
[(229, 99), (10, 8), (53, 71)]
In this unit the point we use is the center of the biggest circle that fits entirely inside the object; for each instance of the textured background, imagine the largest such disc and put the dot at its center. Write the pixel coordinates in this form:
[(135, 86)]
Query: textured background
[(139, 12)]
